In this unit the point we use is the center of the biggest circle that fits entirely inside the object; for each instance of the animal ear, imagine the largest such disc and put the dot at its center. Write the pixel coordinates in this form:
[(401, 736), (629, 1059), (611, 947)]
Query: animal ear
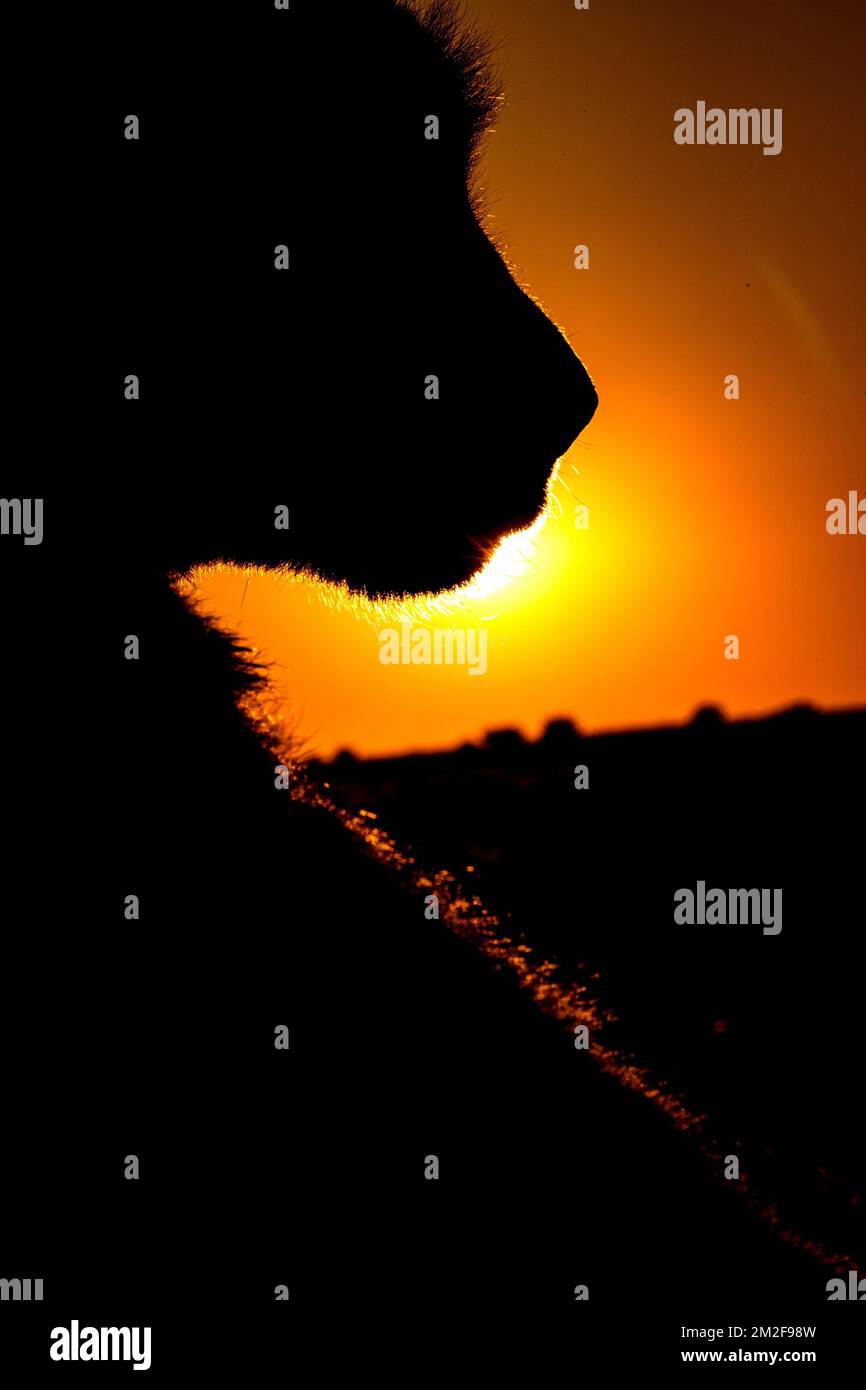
[(469, 58)]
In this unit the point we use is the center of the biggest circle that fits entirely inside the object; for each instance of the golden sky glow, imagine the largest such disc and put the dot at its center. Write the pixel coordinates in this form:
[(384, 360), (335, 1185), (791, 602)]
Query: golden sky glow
[(706, 516)]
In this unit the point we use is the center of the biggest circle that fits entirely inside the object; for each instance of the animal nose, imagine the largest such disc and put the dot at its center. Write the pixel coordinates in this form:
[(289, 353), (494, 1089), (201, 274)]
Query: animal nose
[(583, 403), (567, 398)]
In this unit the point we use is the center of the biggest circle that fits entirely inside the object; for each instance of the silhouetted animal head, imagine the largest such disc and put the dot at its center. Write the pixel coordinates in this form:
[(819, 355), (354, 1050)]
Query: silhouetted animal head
[(320, 374)]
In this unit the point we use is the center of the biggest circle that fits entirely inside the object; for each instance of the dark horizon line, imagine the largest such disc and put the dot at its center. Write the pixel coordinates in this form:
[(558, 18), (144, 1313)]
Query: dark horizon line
[(560, 727)]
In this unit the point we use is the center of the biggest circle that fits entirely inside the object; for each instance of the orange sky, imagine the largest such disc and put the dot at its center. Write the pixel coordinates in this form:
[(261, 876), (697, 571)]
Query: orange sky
[(706, 516)]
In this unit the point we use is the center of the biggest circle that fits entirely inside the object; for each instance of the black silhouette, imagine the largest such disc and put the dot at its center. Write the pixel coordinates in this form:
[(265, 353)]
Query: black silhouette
[(305, 388)]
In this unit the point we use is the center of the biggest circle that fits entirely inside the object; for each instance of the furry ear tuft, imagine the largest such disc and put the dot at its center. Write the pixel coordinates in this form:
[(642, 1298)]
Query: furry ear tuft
[(469, 54)]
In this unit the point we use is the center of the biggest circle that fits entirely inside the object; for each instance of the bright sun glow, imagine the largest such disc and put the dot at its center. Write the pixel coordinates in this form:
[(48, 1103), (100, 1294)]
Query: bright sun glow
[(514, 557)]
